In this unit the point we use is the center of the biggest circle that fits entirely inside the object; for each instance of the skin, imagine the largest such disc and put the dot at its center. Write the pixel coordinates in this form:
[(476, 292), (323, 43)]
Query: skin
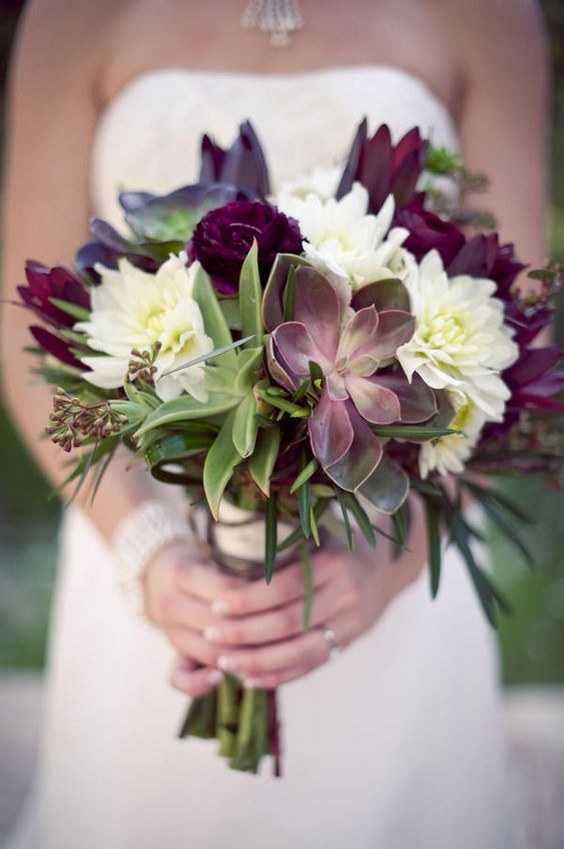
[(487, 63)]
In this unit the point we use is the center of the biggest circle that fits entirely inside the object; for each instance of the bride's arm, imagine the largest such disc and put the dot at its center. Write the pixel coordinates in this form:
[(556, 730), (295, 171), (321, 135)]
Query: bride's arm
[(51, 121), (504, 110)]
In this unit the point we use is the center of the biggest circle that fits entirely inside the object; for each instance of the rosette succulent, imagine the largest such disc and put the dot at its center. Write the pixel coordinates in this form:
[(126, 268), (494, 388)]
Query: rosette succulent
[(360, 388)]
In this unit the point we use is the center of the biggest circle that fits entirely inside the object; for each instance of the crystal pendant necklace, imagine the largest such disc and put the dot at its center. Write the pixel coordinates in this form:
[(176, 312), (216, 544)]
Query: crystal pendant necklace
[(279, 18)]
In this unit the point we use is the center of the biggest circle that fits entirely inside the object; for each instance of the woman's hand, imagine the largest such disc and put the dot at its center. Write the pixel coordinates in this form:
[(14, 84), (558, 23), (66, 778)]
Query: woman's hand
[(255, 631), (179, 590)]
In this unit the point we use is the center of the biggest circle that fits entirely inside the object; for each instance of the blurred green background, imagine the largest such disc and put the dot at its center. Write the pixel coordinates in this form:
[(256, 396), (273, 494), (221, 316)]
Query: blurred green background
[(532, 638)]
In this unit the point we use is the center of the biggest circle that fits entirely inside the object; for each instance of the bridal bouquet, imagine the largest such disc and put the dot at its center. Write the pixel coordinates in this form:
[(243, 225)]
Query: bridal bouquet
[(316, 357)]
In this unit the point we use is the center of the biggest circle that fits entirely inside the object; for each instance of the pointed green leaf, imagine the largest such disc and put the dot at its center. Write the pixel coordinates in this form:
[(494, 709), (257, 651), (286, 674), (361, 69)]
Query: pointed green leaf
[(290, 295), (318, 509), (503, 500), (361, 518), (308, 584), (215, 354), (214, 320), (250, 297), (346, 520), (434, 544), (262, 461), (271, 536), (304, 503), (221, 460), (411, 432), (305, 474), (186, 408), (249, 363), (80, 313), (245, 426)]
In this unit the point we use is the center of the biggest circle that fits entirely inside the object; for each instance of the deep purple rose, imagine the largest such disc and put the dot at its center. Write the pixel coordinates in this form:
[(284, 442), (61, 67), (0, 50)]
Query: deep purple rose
[(224, 237)]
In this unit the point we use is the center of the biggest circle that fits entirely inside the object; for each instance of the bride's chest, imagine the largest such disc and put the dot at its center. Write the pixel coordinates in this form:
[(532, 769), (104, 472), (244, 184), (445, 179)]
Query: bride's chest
[(414, 35), (148, 138)]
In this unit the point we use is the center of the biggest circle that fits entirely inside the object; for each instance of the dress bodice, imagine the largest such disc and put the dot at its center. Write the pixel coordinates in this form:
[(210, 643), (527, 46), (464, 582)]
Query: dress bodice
[(148, 137)]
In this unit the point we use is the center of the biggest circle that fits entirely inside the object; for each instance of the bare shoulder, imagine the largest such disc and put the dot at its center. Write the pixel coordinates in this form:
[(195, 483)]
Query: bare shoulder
[(58, 34), (498, 33)]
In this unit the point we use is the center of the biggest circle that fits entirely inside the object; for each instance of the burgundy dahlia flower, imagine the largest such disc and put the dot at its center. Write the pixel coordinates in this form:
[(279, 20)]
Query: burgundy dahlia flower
[(224, 237)]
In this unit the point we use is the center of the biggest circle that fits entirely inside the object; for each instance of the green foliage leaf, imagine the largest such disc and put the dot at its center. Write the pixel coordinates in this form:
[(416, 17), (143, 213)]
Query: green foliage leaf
[(290, 295), (250, 297), (74, 310), (308, 584), (412, 433), (214, 320), (186, 408), (346, 520), (221, 460), (493, 509), (271, 536), (245, 426), (305, 474), (317, 511), (281, 403), (432, 514), (176, 447), (215, 354), (489, 596), (262, 461), (248, 363), (362, 520)]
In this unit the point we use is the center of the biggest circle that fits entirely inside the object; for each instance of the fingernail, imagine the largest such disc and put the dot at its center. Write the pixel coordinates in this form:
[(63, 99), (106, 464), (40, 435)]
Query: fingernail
[(227, 663), (220, 606), (213, 634), (215, 677), (252, 683)]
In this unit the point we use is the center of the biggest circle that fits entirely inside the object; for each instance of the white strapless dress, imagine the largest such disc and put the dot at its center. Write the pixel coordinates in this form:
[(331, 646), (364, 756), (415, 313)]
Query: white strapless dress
[(397, 744)]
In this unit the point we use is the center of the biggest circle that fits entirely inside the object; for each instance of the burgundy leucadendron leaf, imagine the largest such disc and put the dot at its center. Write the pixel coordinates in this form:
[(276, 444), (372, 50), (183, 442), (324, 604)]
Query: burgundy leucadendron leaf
[(382, 167)]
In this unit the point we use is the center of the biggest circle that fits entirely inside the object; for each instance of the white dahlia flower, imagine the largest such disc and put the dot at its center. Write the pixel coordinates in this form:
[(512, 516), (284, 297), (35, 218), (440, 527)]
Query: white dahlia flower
[(322, 182), (448, 454), (351, 247), (134, 309), (460, 342)]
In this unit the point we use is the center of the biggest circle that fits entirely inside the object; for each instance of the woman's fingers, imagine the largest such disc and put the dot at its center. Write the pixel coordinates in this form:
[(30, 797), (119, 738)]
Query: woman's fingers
[(283, 622), (191, 643), (287, 585), (203, 580), (192, 679), (307, 658)]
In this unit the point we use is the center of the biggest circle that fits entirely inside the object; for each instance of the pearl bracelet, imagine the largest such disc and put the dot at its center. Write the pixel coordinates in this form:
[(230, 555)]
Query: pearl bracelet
[(139, 535)]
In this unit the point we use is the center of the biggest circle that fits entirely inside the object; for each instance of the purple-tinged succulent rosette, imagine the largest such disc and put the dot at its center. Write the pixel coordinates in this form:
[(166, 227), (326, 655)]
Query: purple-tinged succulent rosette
[(224, 237), (360, 386)]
